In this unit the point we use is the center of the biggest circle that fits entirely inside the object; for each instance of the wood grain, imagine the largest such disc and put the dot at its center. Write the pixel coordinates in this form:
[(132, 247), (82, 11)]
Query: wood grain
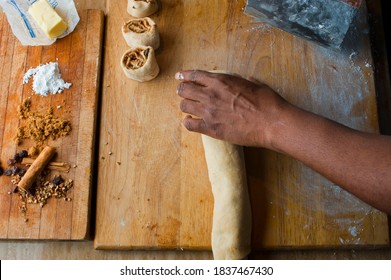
[(79, 58), (84, 250), (91, 4), (76, 250), (159, 196)]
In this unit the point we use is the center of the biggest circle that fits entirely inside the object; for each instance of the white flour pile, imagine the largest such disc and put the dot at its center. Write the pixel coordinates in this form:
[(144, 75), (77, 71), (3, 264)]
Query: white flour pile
[(47, 78)]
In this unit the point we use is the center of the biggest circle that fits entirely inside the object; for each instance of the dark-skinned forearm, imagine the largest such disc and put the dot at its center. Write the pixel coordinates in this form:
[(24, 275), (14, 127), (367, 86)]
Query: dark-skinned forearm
[(359, 162)]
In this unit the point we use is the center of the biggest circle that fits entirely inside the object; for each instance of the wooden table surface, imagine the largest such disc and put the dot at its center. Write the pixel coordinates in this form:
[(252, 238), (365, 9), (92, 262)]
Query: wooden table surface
[(84, 250), (58, 219), (159, 196)]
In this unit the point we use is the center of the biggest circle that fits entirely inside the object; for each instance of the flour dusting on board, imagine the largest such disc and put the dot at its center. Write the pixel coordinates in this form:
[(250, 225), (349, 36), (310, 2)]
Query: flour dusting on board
[(47, 79), (342, 211), (350, 67), (346, 98)]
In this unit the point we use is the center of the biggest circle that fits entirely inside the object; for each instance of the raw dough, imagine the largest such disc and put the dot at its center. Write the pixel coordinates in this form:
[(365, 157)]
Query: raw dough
[(142, 8), (231, 230), (140, 64), (141, 32)]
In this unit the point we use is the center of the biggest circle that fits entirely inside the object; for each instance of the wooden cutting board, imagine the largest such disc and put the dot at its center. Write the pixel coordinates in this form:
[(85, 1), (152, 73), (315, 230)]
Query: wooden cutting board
[(153, 188), (79, 58)]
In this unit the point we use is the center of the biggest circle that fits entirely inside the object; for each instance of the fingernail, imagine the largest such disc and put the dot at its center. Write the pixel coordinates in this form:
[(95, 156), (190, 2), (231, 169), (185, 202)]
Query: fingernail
[(179, 76)]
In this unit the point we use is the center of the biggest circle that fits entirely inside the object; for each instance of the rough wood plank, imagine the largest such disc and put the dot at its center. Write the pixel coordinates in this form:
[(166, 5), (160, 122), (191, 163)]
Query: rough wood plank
[(73, 250), (48, 54), (79, 57), (91, 4), (88, 107), (6, 53), (141, 203)]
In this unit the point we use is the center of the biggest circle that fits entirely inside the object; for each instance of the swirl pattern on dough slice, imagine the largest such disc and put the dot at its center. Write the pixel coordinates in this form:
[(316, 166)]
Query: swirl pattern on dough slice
[(142, 8), (141, 25), (141, 32), (140, 64), (135, 59)]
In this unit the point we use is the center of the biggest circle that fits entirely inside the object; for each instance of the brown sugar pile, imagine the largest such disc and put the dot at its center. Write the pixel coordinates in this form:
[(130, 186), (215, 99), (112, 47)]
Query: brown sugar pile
[(40, 126)]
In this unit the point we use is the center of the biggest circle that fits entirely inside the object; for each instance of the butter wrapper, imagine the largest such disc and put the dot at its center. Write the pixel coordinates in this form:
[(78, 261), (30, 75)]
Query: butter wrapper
[(27, 30)]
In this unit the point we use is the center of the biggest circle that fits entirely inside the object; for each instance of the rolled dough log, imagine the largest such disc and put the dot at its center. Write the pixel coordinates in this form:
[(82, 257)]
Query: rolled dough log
[(142, 8), (141, 32), (231, 230), (140, 64)]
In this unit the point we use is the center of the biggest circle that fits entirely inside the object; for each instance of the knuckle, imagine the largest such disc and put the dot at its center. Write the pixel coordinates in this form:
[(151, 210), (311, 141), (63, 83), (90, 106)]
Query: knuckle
[(190, 124), (187, 124), (211, 113), (196, 76), (212, 96), (216, 130), (214, 127), (183, 105), (195, 125), (180, 88), (221, 79), (193, 76)]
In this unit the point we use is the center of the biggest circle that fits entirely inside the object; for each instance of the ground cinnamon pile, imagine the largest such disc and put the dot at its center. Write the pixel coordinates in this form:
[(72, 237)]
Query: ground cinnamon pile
[(40, 126)]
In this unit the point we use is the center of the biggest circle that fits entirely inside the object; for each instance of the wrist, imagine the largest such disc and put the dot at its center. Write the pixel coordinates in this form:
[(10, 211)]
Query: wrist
[(281, 130)]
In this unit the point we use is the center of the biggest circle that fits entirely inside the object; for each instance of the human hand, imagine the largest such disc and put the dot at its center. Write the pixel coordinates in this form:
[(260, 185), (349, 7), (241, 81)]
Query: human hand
[(231, 108)]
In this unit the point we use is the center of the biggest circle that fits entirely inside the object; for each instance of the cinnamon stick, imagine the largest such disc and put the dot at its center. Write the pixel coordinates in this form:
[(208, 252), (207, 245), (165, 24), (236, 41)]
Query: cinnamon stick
[(36, 168), (53, 165)]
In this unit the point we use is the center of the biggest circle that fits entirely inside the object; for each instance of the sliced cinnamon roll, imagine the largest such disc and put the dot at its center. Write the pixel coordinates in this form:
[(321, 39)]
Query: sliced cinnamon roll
[(142, 8), (141, 32), (140, 64)]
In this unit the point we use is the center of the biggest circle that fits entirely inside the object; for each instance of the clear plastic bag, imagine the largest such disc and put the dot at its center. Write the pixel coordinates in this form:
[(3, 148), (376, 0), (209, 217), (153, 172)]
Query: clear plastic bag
[(25, 28)]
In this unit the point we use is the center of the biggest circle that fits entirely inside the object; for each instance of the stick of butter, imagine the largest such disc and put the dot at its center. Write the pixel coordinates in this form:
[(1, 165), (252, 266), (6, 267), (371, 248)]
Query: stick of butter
[(47, 19)]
